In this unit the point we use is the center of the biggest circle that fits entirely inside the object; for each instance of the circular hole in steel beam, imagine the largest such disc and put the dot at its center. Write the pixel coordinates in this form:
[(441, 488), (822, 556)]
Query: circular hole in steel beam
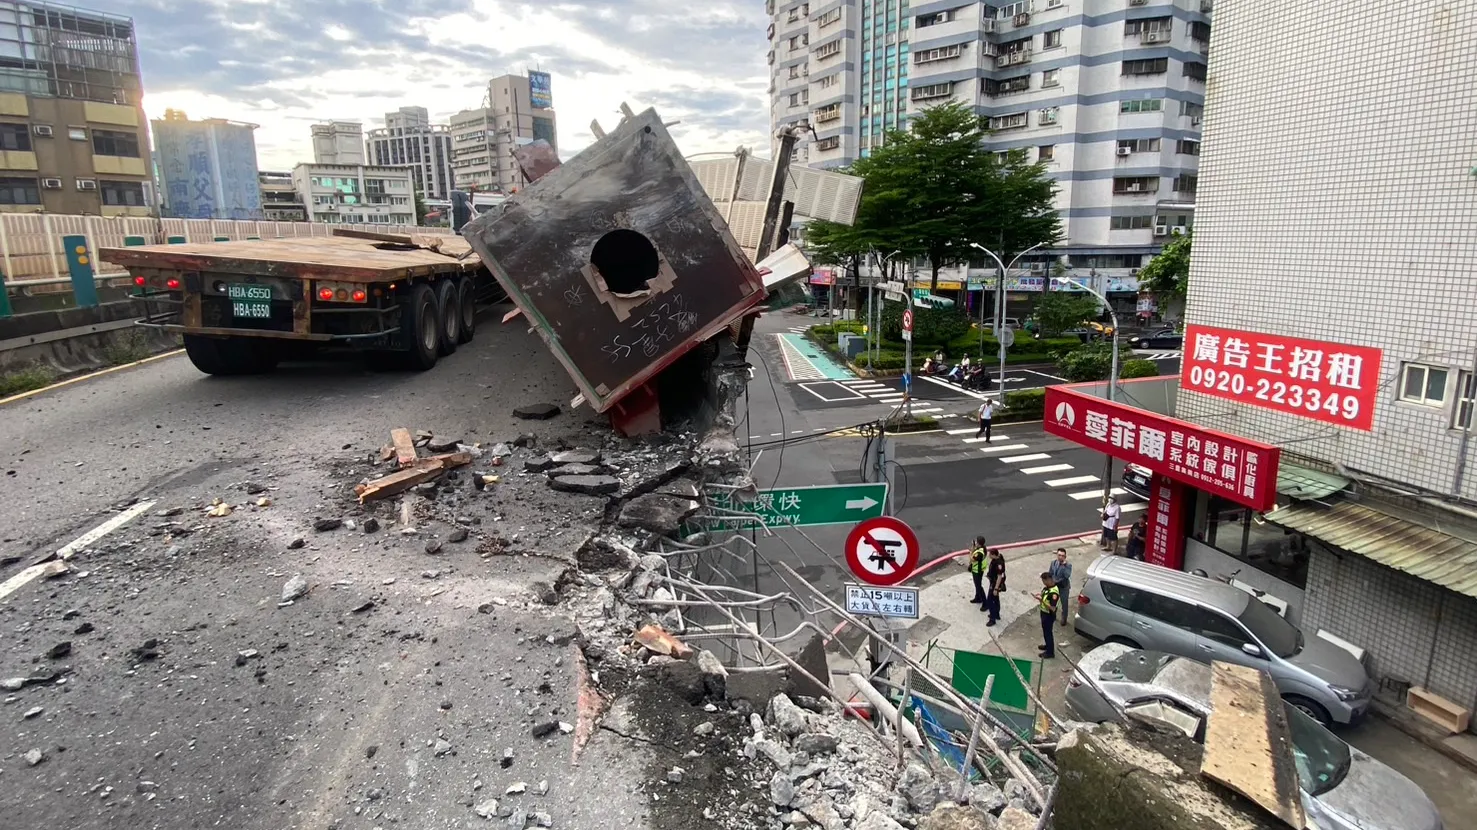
[(626, 260)]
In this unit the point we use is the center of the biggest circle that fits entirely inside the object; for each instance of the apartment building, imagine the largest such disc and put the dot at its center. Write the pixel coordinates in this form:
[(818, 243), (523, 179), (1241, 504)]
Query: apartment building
[(519, 110), (280, 202), (72, 128), (1333, 287), (356, 194), (409, 138), (338, 142), (1108, 93), (207, 169)]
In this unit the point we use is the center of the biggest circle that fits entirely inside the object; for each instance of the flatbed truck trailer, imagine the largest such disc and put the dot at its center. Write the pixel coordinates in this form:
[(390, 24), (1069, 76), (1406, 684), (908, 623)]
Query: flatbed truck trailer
[(242, 306)]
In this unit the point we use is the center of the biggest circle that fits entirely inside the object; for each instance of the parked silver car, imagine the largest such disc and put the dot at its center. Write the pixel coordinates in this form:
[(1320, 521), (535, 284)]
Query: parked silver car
[(1342, 788), (1147, 606)]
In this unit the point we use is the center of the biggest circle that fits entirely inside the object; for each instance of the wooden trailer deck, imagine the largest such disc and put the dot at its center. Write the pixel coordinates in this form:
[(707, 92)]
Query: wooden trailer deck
[(342, 258)]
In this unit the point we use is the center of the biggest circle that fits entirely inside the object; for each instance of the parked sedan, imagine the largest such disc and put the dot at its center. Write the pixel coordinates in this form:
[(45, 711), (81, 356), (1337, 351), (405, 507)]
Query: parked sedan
[(1341, 787), (1136, 480), (1161, 339)]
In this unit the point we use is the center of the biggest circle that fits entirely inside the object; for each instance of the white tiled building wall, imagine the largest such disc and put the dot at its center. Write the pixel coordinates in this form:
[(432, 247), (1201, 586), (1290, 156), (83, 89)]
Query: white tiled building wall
[(856, 68), (1338, 201), (1412, 629)]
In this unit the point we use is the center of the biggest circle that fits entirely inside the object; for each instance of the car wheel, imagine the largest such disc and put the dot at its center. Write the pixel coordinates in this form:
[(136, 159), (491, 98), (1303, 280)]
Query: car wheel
[(1308, 707), (1124, 641)]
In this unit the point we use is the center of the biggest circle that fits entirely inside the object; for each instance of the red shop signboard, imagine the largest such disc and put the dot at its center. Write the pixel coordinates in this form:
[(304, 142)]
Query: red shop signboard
[(1330, 382), (1236, 469), (1165, 539)]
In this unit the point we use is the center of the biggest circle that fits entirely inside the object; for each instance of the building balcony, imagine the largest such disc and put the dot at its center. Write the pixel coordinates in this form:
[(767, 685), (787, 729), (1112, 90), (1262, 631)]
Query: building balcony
[(17, 160), (1015, 58), (119, 166)]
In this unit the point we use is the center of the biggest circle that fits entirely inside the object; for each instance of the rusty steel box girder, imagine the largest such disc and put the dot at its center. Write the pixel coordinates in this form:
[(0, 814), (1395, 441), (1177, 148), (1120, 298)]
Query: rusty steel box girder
[(619, 259)]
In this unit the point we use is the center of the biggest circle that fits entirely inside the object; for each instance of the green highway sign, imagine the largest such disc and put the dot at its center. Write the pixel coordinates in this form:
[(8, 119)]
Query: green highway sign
[(825, 504)]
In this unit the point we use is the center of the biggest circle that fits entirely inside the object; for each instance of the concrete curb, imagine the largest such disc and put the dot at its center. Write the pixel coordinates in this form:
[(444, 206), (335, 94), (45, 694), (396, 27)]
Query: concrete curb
[(935, 564)]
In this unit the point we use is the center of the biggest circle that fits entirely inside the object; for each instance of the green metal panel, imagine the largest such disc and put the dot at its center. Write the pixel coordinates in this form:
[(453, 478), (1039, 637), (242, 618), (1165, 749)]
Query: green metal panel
[(4, 299), (134, 241), (177, 240), (79, 268), (223, 239), (971, 668)]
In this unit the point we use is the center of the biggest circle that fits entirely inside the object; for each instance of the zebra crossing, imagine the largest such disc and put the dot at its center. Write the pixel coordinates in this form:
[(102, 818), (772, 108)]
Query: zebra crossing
[(1030, 461), (892, 396)]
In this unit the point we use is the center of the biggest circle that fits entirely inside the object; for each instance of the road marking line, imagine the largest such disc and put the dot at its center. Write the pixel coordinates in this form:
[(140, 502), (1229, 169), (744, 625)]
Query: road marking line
[(1004, 448), (797, 432), (1135, 507), (752, 437), (776, 435), (68, 382), (1067, 482), (1095, 494), (1019, 459), (819, 429), (983, 440), (962, 431), (15, 583), (976, 395), (1049, 468)]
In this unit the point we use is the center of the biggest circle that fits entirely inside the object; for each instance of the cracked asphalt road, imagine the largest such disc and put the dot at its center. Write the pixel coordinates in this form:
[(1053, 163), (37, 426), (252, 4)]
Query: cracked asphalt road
[(190, 698)]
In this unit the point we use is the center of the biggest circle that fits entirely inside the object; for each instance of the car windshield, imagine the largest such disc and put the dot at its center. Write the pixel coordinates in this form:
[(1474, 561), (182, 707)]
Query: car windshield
[(1322, 759), (1273, 632)]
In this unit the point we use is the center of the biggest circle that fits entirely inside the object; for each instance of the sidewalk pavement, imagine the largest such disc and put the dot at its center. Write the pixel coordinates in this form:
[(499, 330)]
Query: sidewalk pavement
[(1018, 633)]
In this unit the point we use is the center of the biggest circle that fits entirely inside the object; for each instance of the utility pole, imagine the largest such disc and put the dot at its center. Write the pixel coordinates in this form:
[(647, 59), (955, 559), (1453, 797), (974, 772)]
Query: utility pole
[(1112, 381), (783, 153)]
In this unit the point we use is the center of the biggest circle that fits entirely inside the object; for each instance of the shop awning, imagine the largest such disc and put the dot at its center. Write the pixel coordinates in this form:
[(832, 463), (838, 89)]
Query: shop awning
[(1304, 483), (1402, 544)]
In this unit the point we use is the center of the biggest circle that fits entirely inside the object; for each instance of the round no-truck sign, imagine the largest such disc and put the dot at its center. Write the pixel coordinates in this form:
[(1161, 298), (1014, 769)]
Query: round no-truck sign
[(908, 320), (882, 551)]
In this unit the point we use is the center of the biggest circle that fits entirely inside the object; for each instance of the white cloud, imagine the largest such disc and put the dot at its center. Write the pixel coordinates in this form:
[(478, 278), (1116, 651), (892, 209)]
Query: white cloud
[(286, 67)]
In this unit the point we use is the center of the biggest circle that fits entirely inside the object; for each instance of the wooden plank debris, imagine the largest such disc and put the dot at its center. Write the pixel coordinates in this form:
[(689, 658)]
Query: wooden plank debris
[(1248, 744), (341, 258), (427, 469), (404, 446)]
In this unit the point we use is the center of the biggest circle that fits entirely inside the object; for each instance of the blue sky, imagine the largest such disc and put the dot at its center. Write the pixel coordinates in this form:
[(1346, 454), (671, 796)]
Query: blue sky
[(285, 64)]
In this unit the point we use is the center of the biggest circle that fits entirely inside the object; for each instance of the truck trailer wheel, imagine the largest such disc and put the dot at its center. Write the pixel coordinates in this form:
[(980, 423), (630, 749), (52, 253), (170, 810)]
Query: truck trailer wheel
[(230, 355), (447, 302), (420, 328), (467, 302)]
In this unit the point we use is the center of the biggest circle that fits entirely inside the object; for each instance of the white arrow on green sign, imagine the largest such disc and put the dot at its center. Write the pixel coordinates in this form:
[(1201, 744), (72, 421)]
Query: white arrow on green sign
[(823, 504)]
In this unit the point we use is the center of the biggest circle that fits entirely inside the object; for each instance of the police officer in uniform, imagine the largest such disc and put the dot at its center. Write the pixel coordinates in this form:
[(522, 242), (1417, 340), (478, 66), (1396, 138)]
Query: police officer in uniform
[(977, 569), (1049, 598)]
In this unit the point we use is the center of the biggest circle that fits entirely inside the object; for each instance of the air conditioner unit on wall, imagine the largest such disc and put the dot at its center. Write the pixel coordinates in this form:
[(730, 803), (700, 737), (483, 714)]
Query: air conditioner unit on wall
[(1138, 2), (1155, 37), (1177, 230), (1161, 230), (1022, 19), (1195, 120), (42, 129), (1124, 151), (52, 184), (87, 184)]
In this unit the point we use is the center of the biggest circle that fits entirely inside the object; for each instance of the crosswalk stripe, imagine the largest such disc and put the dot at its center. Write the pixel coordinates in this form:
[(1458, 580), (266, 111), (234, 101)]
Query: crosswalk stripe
[(1095, 494), (1134, 507), (1068, 482), (860, 382), (1006, 448), (1049, 468), (983, 440), (1020, 459), (962, 431)]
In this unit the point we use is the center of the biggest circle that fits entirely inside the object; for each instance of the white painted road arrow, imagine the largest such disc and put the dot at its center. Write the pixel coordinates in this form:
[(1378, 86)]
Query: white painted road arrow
[(861, 504)]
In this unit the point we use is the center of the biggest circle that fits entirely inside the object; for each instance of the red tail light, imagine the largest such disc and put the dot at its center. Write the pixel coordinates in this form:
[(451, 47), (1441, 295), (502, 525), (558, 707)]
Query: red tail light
[(1073, 681), (172, 284), (360, 296), (139, 281), (325, 294), (1082, 599)]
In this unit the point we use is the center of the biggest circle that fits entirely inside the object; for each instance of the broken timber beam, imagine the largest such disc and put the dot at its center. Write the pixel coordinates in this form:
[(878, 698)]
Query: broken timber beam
[(404, 446), (427, 469), (1248, 743)]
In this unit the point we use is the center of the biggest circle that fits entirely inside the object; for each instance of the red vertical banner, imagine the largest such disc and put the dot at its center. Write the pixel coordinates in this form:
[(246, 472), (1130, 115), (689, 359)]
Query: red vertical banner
[(1165, 540)]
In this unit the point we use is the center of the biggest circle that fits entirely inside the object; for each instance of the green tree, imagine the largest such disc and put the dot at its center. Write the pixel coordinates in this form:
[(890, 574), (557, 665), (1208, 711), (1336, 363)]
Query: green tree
[(1168, 273), (932, 190), (1058, 311), (420, 209), (1092, 361)]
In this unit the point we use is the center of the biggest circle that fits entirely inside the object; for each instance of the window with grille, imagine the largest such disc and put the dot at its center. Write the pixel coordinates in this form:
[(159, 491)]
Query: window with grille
[(113, 143), (1142, 105), (1151, 66), (122, 194), (19, 191)]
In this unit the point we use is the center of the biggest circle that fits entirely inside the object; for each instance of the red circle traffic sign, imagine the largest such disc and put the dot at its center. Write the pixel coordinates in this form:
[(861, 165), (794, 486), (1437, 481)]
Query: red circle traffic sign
[(908, 320), (882, 551)]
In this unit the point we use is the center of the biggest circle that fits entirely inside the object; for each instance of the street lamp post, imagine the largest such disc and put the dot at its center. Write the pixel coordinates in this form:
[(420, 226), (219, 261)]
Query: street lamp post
[(999, 304), (1112, 381)]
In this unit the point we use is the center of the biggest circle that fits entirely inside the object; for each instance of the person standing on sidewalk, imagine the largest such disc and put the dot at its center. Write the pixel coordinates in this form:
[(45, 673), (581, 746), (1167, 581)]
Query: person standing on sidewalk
[(1061, 575), (977, 569), (1111, 514), (995, 576), (1049, 598), (987, 414)]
